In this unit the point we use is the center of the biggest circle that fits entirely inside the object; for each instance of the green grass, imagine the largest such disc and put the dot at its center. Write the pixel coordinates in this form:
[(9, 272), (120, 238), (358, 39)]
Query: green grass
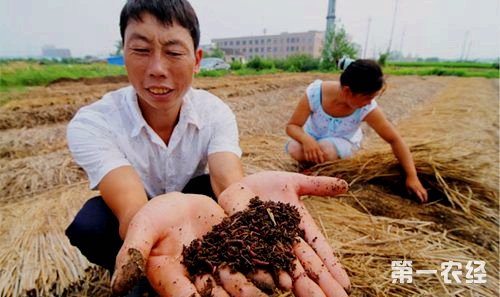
[(19, 74), (240, 72), (444, 64), (443, 71), (212, 73), (249, 71), (462, 69)]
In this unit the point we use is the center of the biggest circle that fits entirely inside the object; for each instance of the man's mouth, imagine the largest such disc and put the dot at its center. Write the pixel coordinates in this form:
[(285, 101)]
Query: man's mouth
[(159, 91)]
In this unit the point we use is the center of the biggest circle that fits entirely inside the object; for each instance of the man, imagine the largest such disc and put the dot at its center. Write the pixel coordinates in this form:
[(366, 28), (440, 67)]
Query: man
[(154, 137), (157, 136)]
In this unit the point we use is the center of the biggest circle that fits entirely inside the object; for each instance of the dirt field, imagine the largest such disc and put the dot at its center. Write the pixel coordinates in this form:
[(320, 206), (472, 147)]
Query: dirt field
[(42, 188)]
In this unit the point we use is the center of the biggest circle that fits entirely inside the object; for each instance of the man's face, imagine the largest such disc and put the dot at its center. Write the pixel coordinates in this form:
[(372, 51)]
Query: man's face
[(160, 61)]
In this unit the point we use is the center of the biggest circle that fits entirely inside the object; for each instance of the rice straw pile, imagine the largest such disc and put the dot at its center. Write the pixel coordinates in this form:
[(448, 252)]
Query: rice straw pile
[(367, 245), (35, 255), (21, 143), (34, 175)]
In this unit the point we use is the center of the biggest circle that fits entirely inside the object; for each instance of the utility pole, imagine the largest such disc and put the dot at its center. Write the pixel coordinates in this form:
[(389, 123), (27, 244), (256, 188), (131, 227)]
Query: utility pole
[(367, 37), (330, 28), (330, 17), (393, 25), (468, 51), (402, 39)]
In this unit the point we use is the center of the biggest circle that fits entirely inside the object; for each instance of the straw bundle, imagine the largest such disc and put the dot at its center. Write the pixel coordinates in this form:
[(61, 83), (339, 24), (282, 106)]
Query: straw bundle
[(62, 93), (33, 175), (21, 143), (367, 244), (35, 256), (95, 282), (32, 117), (265, 152), (41, 106), (448, 177), (237, 87)]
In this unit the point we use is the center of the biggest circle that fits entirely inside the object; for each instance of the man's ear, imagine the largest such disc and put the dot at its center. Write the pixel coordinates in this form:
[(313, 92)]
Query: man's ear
[(198, 55)]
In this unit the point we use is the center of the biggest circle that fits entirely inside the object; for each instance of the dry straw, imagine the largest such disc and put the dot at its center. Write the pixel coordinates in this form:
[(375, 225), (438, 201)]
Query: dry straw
[(21, 143), (448, 176), (35, 255), (54, 104), (31, 117), (34, 175), (367, 244)]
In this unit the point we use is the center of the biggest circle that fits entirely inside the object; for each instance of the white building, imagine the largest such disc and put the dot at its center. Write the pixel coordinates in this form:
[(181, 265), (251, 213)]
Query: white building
[(50, 51), (274, 46)]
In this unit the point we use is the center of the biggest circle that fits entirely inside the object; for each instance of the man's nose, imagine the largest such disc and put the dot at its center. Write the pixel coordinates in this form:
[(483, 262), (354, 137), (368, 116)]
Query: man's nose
[(158, 65)]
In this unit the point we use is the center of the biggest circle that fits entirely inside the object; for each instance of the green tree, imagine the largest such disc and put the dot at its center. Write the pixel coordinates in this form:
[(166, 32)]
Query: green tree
[(337, 45), (118, 48), (215, 53), (382, 59), (301, 62)]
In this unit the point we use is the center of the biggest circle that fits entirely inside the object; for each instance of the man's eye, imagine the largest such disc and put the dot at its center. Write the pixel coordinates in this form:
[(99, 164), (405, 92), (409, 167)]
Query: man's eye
[(174, 54), (141, 50)]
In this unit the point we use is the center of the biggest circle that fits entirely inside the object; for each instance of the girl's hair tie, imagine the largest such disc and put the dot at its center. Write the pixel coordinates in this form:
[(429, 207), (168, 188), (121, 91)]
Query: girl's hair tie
[(344, 62)]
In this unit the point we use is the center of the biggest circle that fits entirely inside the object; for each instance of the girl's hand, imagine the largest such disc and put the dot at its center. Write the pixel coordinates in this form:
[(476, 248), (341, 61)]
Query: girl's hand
[(413, 184), (312, 151), (317, 271)]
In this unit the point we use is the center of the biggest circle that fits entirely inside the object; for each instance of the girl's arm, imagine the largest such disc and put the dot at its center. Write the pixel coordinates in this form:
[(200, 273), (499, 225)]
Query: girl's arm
[(299, 117), (387, 132), (294, 128)]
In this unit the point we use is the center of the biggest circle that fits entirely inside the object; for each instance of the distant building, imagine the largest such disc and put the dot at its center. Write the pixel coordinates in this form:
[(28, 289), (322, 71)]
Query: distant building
[(230, 55), (273, 46), (50, 51)]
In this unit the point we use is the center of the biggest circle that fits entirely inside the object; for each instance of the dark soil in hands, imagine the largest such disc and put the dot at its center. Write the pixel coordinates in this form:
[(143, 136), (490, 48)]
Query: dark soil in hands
[(260, 237)]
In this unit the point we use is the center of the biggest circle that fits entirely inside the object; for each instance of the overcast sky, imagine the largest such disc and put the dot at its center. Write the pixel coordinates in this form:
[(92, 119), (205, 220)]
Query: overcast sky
[(426, 28)]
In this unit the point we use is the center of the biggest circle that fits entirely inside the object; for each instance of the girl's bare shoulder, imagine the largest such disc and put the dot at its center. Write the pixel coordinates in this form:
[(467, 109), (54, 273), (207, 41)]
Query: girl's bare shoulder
[(329, 87)]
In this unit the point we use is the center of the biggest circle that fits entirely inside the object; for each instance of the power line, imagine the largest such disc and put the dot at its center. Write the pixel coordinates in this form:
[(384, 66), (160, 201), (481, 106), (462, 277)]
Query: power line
[(402, 39), (468, 51), (462, 55), (393, 25), (367, 37)]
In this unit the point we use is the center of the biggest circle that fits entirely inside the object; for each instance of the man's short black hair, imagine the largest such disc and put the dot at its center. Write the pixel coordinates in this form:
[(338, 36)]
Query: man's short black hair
[(166, 12)]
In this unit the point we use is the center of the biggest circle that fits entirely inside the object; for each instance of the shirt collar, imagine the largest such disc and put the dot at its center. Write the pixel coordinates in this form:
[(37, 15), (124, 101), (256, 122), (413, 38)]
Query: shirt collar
[(136, 118), (188, 115), (188, 110)]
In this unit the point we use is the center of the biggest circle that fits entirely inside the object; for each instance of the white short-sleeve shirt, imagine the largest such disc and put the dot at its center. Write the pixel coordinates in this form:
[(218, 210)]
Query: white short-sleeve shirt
[(112, 132)]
